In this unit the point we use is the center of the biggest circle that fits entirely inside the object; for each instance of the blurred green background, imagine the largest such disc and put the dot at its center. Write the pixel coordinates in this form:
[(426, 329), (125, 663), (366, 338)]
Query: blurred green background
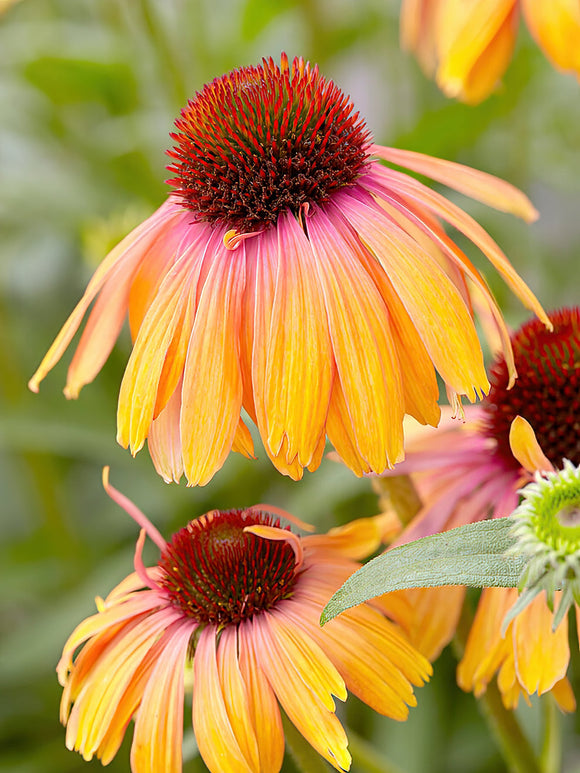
[(88, 93)]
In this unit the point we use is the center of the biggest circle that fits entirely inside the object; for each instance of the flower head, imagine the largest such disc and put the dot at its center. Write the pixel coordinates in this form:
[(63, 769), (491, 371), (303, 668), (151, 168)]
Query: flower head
[(233, 604), (290, 274), (474, 470), (467, 44)]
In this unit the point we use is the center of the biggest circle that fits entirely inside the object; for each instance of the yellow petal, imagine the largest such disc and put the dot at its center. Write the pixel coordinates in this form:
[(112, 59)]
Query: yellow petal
[(365, 355), (317, 724), (139, 388), (212, 384), (158, 735), (542, 655), (215, 737), (432, 301), (262, 703), (481, 186), (475, 42), (236, 699), (525, 447), (299, 365), (556, 27), (456, 217)]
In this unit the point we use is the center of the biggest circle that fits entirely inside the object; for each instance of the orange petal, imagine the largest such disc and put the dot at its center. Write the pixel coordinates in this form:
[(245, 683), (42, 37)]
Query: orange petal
[(341, 432), (365, 355), (475, 42), (215, 737), (123, 259), (317, 724), (262, 703), (481, 186), (456, 217), (158, 735), (235, 695), (556, 27), (432, 301), (413, 215), (485, 649), (212, 384), (564, 696), (299, 364), (417, 30), (164, 440), (430, 616), (525, 447), (542, 655), (139, 388)]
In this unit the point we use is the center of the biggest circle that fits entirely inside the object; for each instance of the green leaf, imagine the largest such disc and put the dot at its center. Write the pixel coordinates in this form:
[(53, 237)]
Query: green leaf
[(472, 555)]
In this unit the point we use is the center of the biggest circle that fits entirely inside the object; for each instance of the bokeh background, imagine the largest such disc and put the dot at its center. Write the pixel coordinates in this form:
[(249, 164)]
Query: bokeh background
[(88, 93)]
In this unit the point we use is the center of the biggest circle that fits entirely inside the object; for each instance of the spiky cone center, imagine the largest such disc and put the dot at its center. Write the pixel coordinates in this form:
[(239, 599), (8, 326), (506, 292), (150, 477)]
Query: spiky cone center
[(216, 572), (547, 390), (547, 529), (265, 139)]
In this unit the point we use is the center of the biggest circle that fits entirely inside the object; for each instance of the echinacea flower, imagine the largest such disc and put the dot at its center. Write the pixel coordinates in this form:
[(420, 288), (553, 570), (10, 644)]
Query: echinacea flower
[(292, 275), (475, 470), (467, 44), (232, 608)]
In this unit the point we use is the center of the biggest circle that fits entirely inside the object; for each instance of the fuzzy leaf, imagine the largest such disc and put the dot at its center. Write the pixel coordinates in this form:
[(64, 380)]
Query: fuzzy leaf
[(472, 555)]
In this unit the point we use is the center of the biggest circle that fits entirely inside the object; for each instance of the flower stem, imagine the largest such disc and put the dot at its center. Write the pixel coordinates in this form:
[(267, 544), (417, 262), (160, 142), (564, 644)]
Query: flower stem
[(515, 747), (551, 756), (366, 757)]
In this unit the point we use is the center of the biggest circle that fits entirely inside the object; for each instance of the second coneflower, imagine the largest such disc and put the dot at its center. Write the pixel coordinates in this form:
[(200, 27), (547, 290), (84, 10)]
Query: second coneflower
[(293, 275), (232, 609)]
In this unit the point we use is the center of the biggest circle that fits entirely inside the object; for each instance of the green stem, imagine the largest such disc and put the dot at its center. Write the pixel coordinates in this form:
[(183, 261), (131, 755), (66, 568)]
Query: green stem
[(551, 757), (515, 747), (304, 756), (366, 757)]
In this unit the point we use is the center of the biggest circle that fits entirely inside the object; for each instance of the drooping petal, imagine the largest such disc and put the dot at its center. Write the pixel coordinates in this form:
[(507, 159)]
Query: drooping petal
[(525, 447), (481, 186), (235, 695), (95, 703), (317, 724), (167, 315), (475, 42), (411, 212), (164, 439), (486, 649), (430, 617), (212, 383), (215, 737), (299, 366), (158, 736), (365, 355), (123, 259), (261, 703), (556, 27), (456, 217), (542, 655), (432, 301)]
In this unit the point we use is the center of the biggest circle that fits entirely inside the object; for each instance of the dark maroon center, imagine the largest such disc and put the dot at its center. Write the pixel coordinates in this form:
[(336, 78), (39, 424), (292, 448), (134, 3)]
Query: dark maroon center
[(217, 573), (263, 140), (547, 391)]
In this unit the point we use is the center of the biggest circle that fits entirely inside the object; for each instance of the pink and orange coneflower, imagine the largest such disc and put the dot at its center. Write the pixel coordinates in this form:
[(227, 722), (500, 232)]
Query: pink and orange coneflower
[(232, 607), (467, 472), (467, 44), (292, 275)]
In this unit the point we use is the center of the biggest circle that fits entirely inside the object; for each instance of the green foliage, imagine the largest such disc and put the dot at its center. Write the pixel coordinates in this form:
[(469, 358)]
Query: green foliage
[(472, 555)]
